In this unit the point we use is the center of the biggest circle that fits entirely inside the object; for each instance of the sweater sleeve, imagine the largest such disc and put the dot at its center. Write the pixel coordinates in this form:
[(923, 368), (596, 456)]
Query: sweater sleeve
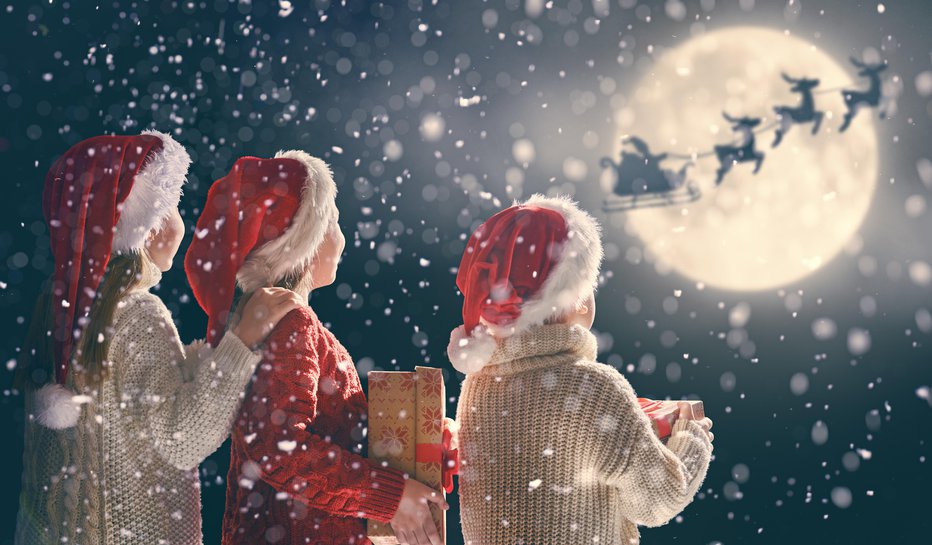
[(656, 481), (185, 418), (292, 458)]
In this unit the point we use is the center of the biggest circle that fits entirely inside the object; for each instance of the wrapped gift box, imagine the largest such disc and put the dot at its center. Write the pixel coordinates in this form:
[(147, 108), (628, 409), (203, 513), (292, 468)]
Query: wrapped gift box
[(663, 414), (406, 419)]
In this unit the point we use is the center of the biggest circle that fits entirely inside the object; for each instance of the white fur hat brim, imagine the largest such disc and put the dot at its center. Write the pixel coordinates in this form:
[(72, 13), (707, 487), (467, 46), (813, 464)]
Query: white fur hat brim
[(574, 277), (156, 191), (296, 247)]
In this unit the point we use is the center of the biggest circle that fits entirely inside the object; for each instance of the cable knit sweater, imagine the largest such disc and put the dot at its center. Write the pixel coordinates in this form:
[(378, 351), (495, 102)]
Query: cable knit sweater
[(127, 472), (296, 475), (555, 449)]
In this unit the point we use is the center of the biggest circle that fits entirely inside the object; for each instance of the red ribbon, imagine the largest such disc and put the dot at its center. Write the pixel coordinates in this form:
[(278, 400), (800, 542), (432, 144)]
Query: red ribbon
[(664, 422), (648, 405), (434, 453)]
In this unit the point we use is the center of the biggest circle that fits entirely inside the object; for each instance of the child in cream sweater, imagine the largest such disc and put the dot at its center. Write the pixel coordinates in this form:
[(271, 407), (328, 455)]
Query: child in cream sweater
[(554, 447)]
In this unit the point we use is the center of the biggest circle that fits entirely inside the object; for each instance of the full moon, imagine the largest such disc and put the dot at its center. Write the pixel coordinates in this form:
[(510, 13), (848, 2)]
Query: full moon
[(753, 231)]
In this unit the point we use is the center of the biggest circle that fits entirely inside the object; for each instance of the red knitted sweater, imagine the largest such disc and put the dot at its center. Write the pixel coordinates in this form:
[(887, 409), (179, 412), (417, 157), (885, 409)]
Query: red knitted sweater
[(295, 472)]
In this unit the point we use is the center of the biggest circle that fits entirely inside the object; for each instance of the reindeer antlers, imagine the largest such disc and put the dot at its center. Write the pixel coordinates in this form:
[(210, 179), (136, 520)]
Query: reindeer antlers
[(878, 66), (742, 121), (787, 78)]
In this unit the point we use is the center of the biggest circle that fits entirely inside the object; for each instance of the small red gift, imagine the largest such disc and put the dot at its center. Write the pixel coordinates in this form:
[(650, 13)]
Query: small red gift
[(663, 414)]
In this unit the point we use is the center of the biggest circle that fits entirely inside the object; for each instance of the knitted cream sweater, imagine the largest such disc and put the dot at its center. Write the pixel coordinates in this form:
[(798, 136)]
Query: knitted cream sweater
[(555, 449), (127, 473)]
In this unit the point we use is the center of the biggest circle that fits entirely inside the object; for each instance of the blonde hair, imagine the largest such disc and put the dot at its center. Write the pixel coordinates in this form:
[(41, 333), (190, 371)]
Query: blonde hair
[(124, 272)]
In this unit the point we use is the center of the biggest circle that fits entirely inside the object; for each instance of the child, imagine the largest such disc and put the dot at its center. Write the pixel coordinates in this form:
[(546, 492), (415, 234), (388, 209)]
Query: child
[(296, 476), (114, 437), (553, 445)]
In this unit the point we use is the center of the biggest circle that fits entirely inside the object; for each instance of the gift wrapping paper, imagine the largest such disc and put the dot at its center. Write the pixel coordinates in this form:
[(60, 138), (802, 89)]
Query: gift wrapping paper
[(406, 419), (663, 414)]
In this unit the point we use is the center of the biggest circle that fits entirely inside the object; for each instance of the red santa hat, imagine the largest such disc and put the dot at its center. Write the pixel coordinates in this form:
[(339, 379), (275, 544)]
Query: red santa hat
[(522, 266), (263, 220), (102, 196)]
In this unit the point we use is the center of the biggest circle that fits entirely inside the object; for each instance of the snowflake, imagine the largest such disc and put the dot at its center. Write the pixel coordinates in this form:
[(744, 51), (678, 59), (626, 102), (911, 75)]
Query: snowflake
[(431, 420), (432, 383), (394, 440), (405, 382)]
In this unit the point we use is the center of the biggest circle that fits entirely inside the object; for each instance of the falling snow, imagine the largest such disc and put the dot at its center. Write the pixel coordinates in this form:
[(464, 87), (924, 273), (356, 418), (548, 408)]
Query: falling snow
[(434, 115)]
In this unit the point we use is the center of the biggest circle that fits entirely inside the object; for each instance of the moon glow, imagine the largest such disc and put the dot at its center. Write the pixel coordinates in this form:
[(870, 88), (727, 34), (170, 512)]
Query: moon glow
[(752, 232)]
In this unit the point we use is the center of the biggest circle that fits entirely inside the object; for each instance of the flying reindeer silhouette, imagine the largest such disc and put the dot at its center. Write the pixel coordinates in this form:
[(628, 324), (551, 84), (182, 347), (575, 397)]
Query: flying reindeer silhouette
[(805, 112), (870, 97), (729, 155)]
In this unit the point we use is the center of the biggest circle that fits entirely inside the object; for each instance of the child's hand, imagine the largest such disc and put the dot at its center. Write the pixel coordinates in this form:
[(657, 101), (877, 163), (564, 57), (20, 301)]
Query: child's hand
[(686, 413), (262, 312), (412, 522)]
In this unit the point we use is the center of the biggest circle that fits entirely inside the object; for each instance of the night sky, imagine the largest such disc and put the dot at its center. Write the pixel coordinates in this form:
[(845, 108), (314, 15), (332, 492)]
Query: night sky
[(819, 389)]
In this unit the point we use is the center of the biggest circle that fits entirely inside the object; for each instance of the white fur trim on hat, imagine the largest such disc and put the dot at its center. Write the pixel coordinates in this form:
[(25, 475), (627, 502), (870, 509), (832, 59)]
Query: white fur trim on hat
[(156, 191), (56, 407), (298, 245), (577, 272), (470, 353), (573, 278)]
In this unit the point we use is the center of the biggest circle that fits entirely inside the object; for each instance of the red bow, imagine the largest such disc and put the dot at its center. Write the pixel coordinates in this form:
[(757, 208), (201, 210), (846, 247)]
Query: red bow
[(449, 459)]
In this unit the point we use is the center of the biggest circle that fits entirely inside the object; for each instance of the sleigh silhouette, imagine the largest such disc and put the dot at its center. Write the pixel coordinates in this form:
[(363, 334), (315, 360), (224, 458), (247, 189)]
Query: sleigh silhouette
[(641, 183)]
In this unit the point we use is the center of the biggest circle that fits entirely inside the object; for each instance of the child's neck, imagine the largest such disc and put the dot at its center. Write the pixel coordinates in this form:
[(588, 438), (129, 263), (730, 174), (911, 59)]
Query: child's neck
[(304, 293), (304, 288)]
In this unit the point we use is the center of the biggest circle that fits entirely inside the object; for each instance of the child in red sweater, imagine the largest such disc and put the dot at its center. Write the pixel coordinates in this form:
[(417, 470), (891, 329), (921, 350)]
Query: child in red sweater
[(296, 473)]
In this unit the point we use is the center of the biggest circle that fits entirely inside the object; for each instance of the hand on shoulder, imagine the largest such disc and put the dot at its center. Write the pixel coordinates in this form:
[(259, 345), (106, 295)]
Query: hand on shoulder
[(265, 308)]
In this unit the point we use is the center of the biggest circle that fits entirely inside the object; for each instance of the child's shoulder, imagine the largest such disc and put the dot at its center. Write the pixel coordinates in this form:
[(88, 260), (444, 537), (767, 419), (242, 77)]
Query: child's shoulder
[(300, 330), (139, 298), (302, 316), (294, 328), (604, 378), (140, 304)]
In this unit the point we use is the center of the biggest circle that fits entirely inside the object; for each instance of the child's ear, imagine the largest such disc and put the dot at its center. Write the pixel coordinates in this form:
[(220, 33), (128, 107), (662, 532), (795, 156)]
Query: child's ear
[(586, 304)]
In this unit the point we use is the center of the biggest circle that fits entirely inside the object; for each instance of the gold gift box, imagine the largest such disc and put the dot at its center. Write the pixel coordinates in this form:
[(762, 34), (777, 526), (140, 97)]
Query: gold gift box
[(406, 418)]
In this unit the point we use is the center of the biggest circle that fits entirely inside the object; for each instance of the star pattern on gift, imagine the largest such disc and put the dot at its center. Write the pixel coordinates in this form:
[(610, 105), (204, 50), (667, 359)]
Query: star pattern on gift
[(405, 382), (378, 380), (432, 383), (394, 440), (431, 420)]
